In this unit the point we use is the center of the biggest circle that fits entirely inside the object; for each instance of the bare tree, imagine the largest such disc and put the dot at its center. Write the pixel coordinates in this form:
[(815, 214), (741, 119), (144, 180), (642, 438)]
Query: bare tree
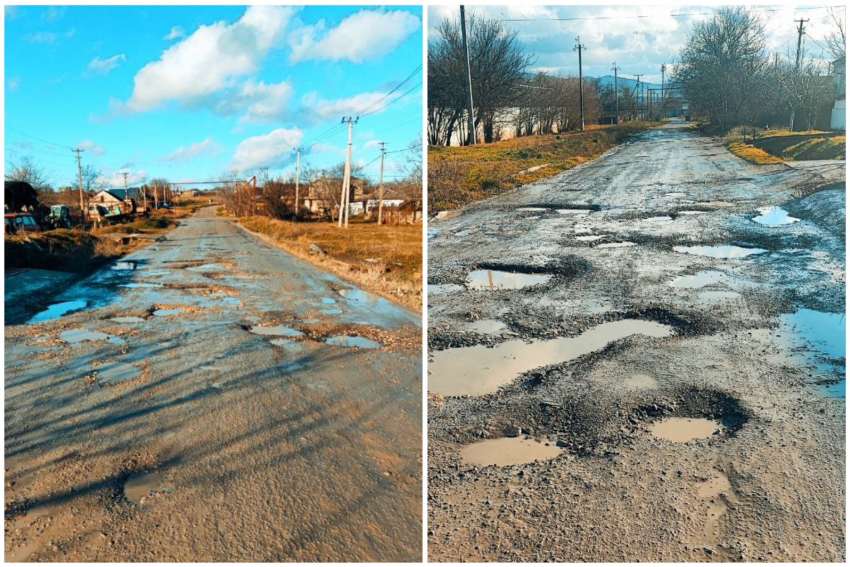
[(836, 41), (26, 169)]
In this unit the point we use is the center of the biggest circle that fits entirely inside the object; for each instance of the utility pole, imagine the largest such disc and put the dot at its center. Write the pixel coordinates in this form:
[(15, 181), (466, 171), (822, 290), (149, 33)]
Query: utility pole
[(637, 88), (79, 153), (346, 182), (471, 121), (254, 198), (578, 48), (125, 180), (800, 31), (381, 186), (616, 94), (663, 70), (297, 181)]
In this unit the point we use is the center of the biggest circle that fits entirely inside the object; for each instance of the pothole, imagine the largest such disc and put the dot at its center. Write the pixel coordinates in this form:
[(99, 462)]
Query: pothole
[(128, 319), (774, 217), (116, 372), (698, 280), (726, 252), (684, 429), (616, 245), (493, 280), (486, 326), (443, 289), (710, 297), (142, 285), (479, 370), (573, 211), (58, 310), (276, 331), (168, 312), (820, 339), (507, 451), (77, 336), (350, 341), (663, 218), (141, 486)]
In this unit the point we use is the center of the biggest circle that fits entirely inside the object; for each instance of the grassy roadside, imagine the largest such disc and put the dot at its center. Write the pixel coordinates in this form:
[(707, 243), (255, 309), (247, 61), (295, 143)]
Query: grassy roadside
[(83, 251), (458, 176), (764, 147), (386, 260)]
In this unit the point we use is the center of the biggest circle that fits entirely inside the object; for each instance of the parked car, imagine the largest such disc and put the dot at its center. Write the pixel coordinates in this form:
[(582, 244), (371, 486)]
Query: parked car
[(21, 222)]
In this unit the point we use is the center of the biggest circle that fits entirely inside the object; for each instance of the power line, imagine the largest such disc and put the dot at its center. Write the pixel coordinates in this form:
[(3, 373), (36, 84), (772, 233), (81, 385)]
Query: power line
[(680, 15)]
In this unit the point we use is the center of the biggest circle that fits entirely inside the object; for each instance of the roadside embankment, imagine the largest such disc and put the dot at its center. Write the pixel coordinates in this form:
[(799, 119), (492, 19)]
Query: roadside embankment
[(458, 176), (386, 260), (764, 147)]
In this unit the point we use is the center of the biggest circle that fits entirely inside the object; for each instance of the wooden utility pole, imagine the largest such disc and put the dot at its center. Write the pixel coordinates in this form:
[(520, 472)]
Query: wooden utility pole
[(254, 197), (297, 182), (79, 153), (579, 47), (346, 182), (616, 94), (471, 120), (800, 31), (638, 91), (381, 186)]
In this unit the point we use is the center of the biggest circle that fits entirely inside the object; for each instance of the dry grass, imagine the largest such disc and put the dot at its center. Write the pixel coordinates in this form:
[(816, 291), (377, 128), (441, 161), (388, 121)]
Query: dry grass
[(386, 260), (752, 154), (461, 175)]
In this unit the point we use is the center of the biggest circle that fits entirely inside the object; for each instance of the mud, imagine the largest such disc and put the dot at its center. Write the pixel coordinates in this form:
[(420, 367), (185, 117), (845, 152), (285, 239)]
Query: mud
[(508, 451), (270, 452), (767, 483)]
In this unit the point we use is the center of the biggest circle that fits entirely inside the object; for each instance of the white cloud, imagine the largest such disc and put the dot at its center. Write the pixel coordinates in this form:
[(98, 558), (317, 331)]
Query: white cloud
[(11, 12), (99, 66), (320, 109), (50, 37), (174, 33), (268, 150), (364, 35), (267, 103), (199, 149), (91, 147), (210, 59), (372, 144), (13, 83), (115, 179), (53, 13)]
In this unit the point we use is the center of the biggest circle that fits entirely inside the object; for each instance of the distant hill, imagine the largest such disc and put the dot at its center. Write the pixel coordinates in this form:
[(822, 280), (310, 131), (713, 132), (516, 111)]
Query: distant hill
[(608, 80)]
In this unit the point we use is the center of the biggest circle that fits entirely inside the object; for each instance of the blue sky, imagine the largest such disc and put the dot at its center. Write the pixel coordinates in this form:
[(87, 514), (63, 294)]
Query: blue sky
[(188, 92)]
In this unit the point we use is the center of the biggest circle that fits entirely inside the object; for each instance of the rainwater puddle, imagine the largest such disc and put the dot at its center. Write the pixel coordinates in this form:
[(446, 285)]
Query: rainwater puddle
[(58, 310), (125, 265), (692, 213), (718, 296), (141, 285), (442, 289), (142, 485), (494, 279), (328, 300), (277, 331), (665, 218), (640, 382), (683, 429), (593, 238), (287, 344), (823, 336), (698, 280), (353, 342), (730, 252), (76, 336), (486, 326), (206, 268), (128, 320), (479, 370), (674, 195), (532, 209), (573, 211), (616, 245), (508, 451), (167, 312), (774, 217), (115, 372), (231, 301)]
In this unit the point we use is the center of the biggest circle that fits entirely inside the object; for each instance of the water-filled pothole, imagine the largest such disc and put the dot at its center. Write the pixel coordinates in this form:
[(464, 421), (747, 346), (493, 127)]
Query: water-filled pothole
[(717, 296), (353, 342), (116, 372), (616, 245), (168, 312), (276, 331), (479, 370), (507, 451), (663, 218), (497, 280), (443, 289), (77, 336), (128, 319), (486, 326), (820, 338), (58, 310), (684, 429), (774, 217), (698, 280), (140, 486), (141, 285), (727, 251)]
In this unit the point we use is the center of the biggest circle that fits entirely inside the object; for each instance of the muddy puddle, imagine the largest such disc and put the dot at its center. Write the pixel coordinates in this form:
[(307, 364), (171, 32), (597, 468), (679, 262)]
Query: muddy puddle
[(692, 213), (141, 486), (820, 338), (276, 331), (59, 310), (288, 344), (167, 312), (774, 217), (508, 451), (592, 238), (77, 336), (724, 252), (116, 372), (486, 326), (443, 289), (479, 370), (493, 280), (684, 429), (532, 210), (349, 341), (573, 211), (664, 218), (698, 280), (128, 320), (616, 245)]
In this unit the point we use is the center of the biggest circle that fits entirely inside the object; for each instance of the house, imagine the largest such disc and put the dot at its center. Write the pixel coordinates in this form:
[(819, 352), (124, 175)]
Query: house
[(323, 195), (19, 196), (134, 196), (838, 119)]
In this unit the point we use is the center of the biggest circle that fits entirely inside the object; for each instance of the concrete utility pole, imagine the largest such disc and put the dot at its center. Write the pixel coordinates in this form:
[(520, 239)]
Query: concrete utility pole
[(637, 88), (579, 48), (800, 31), (125, 174), (297, 181), (346, 182), (79, 153), (381, 186), (471, 121), (616, 94), (663, 70), (254, 197)]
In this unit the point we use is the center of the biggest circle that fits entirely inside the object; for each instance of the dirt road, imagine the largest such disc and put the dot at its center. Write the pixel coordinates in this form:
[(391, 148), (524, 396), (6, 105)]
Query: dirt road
[(206, 405), (626, 366)]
